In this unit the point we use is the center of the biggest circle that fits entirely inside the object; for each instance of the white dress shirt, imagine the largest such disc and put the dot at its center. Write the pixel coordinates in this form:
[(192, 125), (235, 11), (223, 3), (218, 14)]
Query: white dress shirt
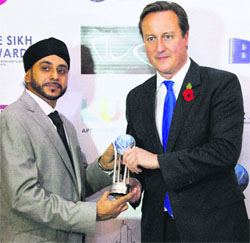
[(161, 91), (43, 105), (47, 109)]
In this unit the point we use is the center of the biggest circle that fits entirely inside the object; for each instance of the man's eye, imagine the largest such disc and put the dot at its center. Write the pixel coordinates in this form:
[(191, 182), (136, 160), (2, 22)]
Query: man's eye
[(62, 70), (150, 39), (45, 68), (168, 37)]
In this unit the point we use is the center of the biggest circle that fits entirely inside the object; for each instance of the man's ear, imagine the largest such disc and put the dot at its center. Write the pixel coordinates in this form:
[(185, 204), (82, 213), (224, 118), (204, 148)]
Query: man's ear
[(28, 76)]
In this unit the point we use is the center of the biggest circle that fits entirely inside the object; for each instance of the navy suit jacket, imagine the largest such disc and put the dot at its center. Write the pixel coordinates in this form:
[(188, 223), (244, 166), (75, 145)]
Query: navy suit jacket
[(197, 169)]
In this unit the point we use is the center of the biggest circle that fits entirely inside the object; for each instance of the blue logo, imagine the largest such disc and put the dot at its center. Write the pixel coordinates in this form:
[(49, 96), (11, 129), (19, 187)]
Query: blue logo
[(239, 51), (242, 176)]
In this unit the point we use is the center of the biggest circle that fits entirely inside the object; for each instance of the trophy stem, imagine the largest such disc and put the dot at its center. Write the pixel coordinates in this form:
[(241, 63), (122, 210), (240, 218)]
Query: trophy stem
[(127, 182), (125, 174), (119, 169), (115, 163)]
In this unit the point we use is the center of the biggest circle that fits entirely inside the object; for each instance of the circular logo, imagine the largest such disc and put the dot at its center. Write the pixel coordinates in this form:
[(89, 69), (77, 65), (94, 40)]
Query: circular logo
[(242, 176), (96, 1), (2, 1)]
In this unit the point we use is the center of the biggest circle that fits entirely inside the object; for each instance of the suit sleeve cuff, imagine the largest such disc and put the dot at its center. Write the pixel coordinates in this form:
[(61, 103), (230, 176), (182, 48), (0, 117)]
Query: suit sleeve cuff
[(87, 218)]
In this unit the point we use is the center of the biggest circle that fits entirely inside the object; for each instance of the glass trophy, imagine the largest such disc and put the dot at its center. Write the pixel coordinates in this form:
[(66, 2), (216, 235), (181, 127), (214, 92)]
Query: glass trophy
[(120, 186)]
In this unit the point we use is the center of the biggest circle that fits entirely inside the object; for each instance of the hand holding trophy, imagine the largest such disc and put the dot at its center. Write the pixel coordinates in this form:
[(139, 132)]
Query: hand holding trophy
[(120, 186), (111, 160)]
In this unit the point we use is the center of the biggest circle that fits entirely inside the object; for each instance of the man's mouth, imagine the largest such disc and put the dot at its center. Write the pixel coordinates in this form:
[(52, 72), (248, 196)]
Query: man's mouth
[(53, 85), (162, 57)]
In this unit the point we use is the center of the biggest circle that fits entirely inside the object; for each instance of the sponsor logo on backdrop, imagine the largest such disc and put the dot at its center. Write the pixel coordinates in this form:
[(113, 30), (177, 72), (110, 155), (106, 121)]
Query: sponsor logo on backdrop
[(12, 48), (113, 50), (104, 112), (2, 1), (107, 113), (2, 107), (239, 51), (126, 234)]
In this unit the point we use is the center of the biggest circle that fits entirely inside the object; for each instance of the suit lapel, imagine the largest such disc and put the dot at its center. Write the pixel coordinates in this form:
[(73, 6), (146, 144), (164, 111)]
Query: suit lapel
[(48, 128), (149, 121), (182, 106), (72, 141)]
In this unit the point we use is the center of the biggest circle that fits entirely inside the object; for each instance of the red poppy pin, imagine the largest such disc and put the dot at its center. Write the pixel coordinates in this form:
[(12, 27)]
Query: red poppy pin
[(188, 93)]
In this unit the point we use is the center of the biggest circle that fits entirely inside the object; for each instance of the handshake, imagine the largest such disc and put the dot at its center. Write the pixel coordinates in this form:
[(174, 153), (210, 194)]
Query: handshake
[(108, 209)]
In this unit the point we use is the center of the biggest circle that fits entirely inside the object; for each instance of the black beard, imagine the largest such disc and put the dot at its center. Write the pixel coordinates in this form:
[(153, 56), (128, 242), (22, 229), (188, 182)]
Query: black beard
[(39, 90)]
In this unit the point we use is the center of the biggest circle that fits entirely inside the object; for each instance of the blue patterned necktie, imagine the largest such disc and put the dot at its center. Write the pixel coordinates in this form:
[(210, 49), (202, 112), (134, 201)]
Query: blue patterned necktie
[(168, 111)]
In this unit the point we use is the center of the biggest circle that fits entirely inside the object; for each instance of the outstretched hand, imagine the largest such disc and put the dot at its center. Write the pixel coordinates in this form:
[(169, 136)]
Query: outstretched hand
[(135, 158), (107, 209)]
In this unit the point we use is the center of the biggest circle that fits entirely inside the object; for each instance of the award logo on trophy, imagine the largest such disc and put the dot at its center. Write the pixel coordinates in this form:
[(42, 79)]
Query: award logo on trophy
[(120, 186)]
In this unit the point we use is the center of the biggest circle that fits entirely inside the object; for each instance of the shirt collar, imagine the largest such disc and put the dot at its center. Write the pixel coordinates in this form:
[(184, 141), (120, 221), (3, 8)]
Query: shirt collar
[(178, 78), (43, 105)]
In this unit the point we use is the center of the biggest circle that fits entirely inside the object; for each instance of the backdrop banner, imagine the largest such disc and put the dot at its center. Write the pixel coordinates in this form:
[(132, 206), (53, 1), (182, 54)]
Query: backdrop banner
[(108, 59)]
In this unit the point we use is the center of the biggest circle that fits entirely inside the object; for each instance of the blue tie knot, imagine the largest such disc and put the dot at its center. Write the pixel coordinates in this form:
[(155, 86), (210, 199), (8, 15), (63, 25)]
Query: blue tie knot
[(169, 85)]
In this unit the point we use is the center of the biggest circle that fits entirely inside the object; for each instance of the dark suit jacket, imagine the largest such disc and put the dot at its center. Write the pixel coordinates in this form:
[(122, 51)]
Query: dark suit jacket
[(197, 169)]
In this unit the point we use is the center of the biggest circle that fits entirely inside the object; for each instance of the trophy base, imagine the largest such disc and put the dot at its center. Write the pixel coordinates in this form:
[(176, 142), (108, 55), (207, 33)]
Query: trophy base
[(119, 189)]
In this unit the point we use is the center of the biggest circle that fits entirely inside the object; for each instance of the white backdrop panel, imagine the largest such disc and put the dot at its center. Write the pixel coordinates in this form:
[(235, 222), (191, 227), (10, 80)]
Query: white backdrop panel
[(96, 103)]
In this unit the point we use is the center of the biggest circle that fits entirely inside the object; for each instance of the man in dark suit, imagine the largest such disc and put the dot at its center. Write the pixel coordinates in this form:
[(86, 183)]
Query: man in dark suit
[(44, 182), (194, 174)]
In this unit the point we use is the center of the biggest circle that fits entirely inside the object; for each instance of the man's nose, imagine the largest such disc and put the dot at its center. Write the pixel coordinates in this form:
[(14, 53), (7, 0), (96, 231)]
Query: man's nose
[(160, 45), (54, 74)]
